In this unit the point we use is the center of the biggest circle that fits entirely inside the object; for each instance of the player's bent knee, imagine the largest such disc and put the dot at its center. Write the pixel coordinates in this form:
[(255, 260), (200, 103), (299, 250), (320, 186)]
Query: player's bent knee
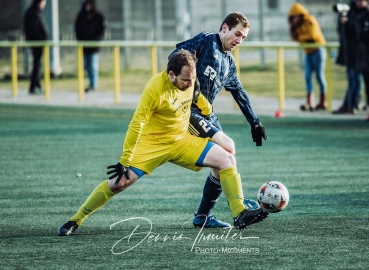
[(121, 185), (232, 148), (218, 158), (227, 161), (224, 141), (115, 187)]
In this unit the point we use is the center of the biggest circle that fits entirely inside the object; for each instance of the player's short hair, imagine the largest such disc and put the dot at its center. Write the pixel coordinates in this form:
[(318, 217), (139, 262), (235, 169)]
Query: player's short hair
[(36, 2), (180, 59), (233, 19)]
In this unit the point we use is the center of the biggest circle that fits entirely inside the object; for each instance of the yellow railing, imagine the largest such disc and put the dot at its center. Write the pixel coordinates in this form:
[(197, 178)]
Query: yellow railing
[(116, 45), (281, 78), (14, 71), (80, 73)]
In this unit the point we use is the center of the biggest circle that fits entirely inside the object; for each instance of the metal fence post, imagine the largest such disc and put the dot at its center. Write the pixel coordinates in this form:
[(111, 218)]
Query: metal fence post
[(154, 59), (281, 83), (47, 71), (14, 71), (80, 73), (116, 74), (236, 55), (329, 78)]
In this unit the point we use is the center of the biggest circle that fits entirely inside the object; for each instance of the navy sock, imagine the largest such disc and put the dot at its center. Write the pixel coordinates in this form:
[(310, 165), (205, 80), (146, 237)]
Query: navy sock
[(210, 196)]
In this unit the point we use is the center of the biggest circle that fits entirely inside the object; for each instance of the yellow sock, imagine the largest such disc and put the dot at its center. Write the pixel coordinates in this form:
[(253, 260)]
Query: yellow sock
[(230, 181), (100, 196)]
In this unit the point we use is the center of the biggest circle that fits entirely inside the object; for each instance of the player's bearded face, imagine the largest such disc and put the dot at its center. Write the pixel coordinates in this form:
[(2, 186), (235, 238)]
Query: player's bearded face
[(234, 37), (181, 85), (185, 79)]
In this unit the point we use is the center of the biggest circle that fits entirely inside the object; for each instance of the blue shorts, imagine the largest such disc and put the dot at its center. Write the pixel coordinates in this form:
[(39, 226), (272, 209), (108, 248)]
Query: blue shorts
[(199, 162)]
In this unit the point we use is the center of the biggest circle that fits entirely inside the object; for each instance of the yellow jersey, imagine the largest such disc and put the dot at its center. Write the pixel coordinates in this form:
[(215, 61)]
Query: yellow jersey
[(162, 115), (309, 31)]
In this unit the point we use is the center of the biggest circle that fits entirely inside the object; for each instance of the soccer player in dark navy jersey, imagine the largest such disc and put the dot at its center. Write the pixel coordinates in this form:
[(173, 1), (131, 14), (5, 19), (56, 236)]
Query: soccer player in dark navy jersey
[(216, 69)]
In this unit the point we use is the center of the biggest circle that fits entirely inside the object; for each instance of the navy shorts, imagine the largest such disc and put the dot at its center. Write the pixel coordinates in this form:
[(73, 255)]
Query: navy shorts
[(204, 127)]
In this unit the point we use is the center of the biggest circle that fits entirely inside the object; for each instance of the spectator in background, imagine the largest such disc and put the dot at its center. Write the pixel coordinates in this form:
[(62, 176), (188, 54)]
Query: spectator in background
[(304, 28), (35, 30), (90, 26), (362, 27), (348, 53)]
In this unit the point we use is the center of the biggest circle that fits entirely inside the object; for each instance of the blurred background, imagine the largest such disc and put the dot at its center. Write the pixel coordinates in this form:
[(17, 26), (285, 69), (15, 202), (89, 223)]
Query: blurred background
[(171, 19), (168, 20)]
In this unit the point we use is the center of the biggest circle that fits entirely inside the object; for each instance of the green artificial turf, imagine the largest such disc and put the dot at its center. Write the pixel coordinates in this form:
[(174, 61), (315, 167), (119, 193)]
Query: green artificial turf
[(323, 163)]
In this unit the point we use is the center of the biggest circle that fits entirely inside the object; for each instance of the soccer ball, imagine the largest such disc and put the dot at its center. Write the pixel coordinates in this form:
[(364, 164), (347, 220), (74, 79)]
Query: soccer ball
[(273, 197)]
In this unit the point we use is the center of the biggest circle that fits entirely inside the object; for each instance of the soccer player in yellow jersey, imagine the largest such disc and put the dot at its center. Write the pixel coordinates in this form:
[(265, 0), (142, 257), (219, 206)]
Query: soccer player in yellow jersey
[(158, 133)]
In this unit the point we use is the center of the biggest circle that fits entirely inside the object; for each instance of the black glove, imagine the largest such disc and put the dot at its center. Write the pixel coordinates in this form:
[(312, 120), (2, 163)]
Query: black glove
[(258, 133), (118, 170)]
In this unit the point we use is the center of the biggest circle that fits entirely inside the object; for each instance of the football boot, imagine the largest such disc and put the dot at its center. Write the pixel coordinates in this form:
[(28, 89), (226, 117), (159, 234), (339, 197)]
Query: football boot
[(210, 221), (67, 228), (249, 217)]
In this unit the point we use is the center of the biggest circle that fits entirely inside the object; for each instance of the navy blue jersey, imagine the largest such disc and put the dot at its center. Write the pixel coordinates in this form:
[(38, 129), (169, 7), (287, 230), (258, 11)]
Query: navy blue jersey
[(217, 69)]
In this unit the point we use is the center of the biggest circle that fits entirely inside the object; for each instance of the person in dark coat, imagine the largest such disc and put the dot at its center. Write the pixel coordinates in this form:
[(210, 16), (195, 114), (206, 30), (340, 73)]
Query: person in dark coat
[(349, 45), (90, 26), (35, 30), (362, 28)]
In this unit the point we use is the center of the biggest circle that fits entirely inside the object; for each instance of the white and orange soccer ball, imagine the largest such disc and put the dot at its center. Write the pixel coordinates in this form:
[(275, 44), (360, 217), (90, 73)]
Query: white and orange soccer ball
[(273, 197)]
